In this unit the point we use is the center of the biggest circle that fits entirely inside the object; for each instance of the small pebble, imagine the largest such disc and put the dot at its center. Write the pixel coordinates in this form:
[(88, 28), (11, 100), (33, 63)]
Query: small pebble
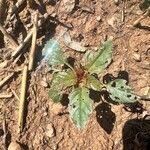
[(116, 2), (54, 147), (60, 129), (45, 114), (136, 57), (56, 108), (145, 91), (50, 131), (53, 15), (98, 18), (110, 38), (66, 6), (14, 146), (44, 84), (112, 21), (145, 113)]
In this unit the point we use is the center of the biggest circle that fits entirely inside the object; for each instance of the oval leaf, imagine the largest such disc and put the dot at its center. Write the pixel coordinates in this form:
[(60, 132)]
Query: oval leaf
[(55, 95), (93, 83), (60, 81), (80, 106), (53, 53), (120, 92), (99, 60)]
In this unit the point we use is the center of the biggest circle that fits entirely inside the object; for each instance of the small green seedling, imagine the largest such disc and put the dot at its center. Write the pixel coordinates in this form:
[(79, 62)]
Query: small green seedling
[(80, 78)]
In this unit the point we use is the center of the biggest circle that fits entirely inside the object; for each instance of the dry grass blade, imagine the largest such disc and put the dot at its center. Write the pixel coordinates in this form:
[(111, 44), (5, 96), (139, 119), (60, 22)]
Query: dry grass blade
[(33, 46), (11, 70), (3, 95), (2, 82), (16, 6), (5, 133), (16, 60), (19, 48), (22, 98), (3, 64), (146, 14), (11, 40), (14, 93)]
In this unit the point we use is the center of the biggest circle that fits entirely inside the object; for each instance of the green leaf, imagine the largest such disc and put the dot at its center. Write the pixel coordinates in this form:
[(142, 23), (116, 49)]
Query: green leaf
[(60, 81), (99, 60), (53, 53), (94, 83), (145, 5), (80, 106), (55, 95), (120, 92), (67, 78), (88, 57)]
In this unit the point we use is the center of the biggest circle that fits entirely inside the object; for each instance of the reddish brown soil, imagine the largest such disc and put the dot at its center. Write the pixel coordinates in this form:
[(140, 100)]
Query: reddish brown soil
[(110, 126)]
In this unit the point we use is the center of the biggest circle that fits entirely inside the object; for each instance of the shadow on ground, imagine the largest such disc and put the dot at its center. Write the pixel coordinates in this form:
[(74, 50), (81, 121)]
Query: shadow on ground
[(105, 117), (136, 134)]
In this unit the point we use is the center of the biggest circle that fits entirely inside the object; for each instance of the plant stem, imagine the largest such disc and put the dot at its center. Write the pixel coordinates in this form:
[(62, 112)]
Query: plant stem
[(66, 63)]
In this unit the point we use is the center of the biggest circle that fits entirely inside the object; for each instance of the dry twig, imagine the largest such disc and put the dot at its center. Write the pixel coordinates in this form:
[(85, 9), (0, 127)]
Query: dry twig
[(22, 99), (3, 95), (33, 46), (11, 40), (142, 17), (15, 53), (14, 93), (11, 70), (19, 48), (4, 64), (5, 133), (2, 82), (15, 7), (16, 60)]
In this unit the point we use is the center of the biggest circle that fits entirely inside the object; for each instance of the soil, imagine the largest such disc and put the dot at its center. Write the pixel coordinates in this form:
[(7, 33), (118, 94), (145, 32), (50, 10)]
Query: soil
[(47, 125)]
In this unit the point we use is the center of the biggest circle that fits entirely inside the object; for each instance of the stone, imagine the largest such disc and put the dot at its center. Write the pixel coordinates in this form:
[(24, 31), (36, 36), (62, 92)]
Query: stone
[(56, 108), (98, 18), (136, 57), (50, 131), (14, 146), (44, 83)]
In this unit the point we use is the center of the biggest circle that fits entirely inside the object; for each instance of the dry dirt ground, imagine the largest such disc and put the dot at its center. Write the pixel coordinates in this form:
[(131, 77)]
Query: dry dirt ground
[(47, 125)]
